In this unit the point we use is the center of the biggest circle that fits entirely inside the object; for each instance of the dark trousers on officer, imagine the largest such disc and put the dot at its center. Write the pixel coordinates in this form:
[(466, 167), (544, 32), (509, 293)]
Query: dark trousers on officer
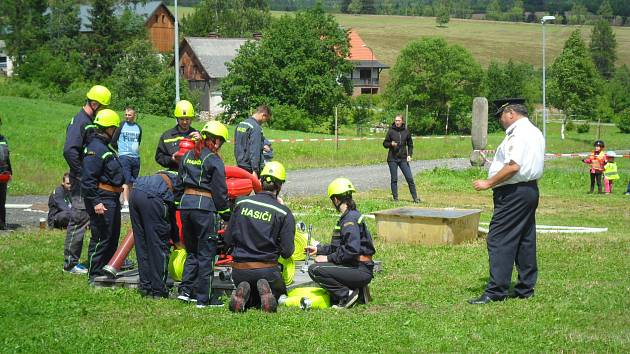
[(3, 209), (151, 226), (105, 234), (340, 279), (61, 219), (406, 170), (512, 240), (272, 275), (77, 224), (198, 226)]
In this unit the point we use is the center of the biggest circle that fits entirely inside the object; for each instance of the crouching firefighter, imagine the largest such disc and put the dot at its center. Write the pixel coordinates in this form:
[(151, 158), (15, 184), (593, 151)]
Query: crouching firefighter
[(261, 229), (101, 185), (202, 194), (344, 266), (152, 211)]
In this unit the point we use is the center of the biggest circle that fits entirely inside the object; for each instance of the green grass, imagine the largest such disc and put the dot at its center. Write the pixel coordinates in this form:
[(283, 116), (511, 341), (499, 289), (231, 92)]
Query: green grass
[(36, 129), (581, 302)]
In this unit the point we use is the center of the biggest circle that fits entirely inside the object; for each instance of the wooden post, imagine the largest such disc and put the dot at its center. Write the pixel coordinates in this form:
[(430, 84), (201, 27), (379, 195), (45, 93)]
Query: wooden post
[(337, 127)]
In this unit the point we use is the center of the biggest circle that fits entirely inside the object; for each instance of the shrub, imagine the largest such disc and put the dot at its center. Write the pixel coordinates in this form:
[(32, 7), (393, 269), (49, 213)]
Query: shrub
[(16, 88), (570, 126), (289, 117), (584, 127), (623, 121)]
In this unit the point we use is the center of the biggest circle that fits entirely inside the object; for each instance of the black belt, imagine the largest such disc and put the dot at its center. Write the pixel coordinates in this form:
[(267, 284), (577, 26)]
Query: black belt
[(507, 187)]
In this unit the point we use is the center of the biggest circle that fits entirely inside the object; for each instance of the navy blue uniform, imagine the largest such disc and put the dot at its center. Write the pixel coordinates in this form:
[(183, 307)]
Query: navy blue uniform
[(344, 271), (260, 230), (101, 167), (196, 180), (152, 211), (248, 145), (5, 166), (59, 208), (168, 145), (78, 132)]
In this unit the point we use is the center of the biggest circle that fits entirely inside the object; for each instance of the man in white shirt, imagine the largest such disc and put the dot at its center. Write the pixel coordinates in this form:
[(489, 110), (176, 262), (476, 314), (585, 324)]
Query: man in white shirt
[(517, 165)]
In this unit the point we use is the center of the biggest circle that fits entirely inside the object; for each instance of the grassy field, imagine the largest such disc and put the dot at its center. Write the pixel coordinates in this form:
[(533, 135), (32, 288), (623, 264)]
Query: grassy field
[(581, 301), (36, 134)]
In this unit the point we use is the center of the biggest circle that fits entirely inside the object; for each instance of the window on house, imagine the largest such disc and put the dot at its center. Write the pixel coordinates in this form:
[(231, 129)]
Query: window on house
[(364, 74)]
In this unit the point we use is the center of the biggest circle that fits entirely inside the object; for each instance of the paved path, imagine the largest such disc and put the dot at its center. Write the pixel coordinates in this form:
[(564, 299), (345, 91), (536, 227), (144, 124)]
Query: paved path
[(300, 182)]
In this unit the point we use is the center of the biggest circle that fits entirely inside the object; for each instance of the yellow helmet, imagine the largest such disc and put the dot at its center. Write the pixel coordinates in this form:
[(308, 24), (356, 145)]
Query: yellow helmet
[(99, 94), (107, 118), (274, 169), (215, 128), (340, 186), (184, 109)]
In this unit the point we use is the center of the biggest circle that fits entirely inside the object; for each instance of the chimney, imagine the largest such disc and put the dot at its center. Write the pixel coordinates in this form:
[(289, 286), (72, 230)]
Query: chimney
[(257, 36), (213, 35)]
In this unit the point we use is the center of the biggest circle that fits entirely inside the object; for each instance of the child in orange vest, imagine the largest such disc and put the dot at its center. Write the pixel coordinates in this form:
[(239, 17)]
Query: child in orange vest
[(597, 160)]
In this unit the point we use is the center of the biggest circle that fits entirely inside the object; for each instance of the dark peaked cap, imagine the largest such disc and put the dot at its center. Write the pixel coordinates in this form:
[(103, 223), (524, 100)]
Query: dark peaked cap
[(502, 103)]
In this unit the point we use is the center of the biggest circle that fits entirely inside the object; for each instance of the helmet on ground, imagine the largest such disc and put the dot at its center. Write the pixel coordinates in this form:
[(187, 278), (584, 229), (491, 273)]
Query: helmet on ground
[(215, 128), (107, 118), (599, 143), (184, 109), (340, 186), (99, 94), (274, 169)]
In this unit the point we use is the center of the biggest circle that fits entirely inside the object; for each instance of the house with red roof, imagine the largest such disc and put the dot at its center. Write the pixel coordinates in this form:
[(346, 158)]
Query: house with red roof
[(367, 68)]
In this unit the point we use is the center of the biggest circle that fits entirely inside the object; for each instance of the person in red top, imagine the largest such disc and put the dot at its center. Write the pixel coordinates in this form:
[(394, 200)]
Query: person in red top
[(597, 160)]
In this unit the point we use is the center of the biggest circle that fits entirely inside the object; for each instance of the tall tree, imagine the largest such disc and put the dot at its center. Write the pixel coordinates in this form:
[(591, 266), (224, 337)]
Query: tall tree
[(443, 13), (299, 62), (619, 90), (355, 7), (493, 11), (25, 26), (578, 14), (574, 82), (434, 78), (605, 11), (604, 48), (227, 18)]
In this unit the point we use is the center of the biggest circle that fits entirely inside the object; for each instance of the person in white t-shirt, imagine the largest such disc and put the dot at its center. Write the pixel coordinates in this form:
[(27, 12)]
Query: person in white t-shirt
[(513, 176)]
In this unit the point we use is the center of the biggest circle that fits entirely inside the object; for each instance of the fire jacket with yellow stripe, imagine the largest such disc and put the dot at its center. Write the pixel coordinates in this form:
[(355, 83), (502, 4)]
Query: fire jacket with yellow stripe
[(261, 229), (168, 145), (78, 134), (351, 239), (206, 174), (100, 165), (248, 145)]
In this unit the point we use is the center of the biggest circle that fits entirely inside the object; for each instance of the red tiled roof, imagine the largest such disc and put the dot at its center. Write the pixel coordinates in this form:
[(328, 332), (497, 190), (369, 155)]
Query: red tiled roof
[(357, 49)]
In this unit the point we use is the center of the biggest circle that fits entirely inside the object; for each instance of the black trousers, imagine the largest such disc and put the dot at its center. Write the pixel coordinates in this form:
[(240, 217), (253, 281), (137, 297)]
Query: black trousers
[(105, 234), (78, 223), (597, 176), (61, 220), (3, 209), (512, 240), (340, 279), (200, 236), (272, 275), (406, 170), (150, 221)]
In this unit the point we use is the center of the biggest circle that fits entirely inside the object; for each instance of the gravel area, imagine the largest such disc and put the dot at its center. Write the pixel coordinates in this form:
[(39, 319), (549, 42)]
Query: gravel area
[(300, 183)]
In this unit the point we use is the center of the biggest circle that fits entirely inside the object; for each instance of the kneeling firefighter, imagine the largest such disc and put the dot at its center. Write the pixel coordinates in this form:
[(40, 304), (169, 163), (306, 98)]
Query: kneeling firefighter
[(344, 266), (261, 230), (101, 185), (152, 211), (202, 194)]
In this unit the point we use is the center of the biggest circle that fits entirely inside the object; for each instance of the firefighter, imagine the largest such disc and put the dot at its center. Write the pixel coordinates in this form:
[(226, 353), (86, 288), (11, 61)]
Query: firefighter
[(344, 266), (101, 185), (261, 229), (249, 140), (202, 194), (169, 141), (78, 133), (152, 212)]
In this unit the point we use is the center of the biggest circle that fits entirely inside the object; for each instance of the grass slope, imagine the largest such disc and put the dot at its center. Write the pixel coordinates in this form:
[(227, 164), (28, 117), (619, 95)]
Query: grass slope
[(36, 133), (419, 305)]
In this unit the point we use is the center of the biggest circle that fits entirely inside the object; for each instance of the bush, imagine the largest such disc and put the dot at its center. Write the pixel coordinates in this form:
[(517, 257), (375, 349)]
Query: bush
[(623, 121), (288, 117), (584, 127), (16, 88), (570, 126)]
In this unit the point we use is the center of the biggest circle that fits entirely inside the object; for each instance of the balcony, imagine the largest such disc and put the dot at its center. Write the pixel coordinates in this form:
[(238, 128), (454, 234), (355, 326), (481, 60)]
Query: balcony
[(364, 82)]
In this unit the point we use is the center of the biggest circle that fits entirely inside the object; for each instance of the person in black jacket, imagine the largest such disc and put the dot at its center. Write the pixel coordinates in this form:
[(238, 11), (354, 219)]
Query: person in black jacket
[(201, 190), (344, 267), (101, 185), (249, 141), (78, 133), (6, 171), (59, 203), (169, 141), (400, 144), (261, 229), (152, 211)]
